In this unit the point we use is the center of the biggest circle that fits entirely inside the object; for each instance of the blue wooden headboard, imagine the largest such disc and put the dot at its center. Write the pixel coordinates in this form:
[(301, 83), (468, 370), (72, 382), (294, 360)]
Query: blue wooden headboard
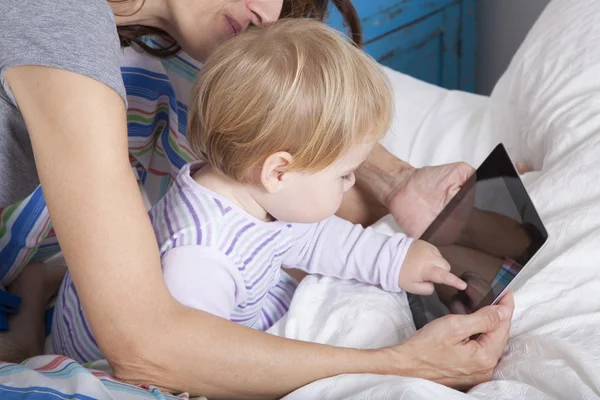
[(432, 40)]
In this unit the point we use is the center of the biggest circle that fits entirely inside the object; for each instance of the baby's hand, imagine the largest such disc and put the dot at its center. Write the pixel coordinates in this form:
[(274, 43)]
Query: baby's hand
[(423, 266)]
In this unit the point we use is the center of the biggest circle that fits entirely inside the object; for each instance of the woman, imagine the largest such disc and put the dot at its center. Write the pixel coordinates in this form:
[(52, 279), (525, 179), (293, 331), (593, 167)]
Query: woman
[(62, 102)]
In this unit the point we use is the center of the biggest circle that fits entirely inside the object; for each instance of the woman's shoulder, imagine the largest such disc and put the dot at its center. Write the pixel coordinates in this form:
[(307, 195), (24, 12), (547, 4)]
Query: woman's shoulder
[(68, 34)]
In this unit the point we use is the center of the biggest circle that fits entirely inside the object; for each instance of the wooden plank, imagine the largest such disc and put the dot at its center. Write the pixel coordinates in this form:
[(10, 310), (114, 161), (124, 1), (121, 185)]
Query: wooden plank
[(468, 46), (415, 50), (433, 40), (450, 43), (380, 17)]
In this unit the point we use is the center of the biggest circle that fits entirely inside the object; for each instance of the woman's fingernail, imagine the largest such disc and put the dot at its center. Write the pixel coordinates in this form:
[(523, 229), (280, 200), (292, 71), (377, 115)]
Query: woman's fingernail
[(504, 313)]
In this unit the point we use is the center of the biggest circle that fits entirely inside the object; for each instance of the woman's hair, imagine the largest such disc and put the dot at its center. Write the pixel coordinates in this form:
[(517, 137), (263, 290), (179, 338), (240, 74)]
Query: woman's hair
[(316, 9), (296, 86)]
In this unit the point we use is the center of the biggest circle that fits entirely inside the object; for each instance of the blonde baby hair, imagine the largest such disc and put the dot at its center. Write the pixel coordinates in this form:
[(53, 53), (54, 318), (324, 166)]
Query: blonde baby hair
[(296, 86)]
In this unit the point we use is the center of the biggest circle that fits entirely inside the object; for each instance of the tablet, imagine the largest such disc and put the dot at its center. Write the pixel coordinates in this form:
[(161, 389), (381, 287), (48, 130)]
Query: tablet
[(489, 232)]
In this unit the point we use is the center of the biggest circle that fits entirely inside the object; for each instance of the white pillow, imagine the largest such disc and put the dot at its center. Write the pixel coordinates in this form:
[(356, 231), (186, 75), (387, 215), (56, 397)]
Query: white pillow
[(551, 89), (547, 103), (435, 126)]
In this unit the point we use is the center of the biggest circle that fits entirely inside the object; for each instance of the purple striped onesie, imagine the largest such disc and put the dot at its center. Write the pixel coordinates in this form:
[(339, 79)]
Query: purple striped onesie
[(218, 258)]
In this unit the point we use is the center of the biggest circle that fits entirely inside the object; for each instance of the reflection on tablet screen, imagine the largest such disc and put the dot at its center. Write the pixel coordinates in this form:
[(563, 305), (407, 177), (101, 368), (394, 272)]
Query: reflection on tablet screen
[(488, 232)]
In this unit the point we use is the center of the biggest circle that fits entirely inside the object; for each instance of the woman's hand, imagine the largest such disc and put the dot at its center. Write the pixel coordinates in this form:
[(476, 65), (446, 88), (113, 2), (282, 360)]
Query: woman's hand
[(443, 352), (422, 194)]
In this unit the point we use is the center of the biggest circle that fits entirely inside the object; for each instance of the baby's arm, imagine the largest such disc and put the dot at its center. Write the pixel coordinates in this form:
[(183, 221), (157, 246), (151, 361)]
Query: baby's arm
[(335, 247), (203, 278)]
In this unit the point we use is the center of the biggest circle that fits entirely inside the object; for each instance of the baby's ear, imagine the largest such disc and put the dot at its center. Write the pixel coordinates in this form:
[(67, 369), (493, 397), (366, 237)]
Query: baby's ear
[(274, 170)]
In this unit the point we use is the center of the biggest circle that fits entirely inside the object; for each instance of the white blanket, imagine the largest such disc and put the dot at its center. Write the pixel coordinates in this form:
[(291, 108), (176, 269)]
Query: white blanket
[(546, 108)]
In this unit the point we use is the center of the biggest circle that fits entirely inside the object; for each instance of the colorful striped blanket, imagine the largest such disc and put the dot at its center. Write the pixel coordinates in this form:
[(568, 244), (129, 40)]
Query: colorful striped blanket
[(58, 377)]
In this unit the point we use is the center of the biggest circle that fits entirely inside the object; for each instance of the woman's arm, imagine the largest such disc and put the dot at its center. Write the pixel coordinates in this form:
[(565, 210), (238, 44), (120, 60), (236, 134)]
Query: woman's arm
[(78, 131)]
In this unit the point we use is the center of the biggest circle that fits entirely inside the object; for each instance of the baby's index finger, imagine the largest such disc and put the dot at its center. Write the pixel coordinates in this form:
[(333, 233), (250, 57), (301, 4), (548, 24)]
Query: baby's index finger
[(440, 275), (456, 282)]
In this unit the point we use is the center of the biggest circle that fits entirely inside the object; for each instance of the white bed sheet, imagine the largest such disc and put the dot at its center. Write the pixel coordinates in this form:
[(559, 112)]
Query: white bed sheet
[(546, 108)]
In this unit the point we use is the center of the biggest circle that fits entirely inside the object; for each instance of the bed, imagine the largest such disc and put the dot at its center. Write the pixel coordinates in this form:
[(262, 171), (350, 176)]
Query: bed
[(546, 110)]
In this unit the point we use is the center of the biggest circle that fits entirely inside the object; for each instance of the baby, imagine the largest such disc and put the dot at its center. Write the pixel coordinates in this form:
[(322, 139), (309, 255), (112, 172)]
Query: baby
[(281, 117)]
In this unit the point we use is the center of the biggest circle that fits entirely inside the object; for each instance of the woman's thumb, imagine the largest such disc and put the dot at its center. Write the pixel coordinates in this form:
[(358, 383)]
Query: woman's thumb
[(486, 319)]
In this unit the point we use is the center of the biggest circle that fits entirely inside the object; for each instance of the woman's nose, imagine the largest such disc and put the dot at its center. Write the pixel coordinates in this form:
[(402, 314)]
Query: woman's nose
[(264, 11)]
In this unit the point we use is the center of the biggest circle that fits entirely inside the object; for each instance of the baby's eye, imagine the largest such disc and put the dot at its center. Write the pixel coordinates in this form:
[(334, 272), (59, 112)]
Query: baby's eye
[(348, 177)]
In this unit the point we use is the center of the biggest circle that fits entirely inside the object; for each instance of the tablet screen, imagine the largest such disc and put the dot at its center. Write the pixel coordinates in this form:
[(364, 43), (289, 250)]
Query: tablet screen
[(487, 232)]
